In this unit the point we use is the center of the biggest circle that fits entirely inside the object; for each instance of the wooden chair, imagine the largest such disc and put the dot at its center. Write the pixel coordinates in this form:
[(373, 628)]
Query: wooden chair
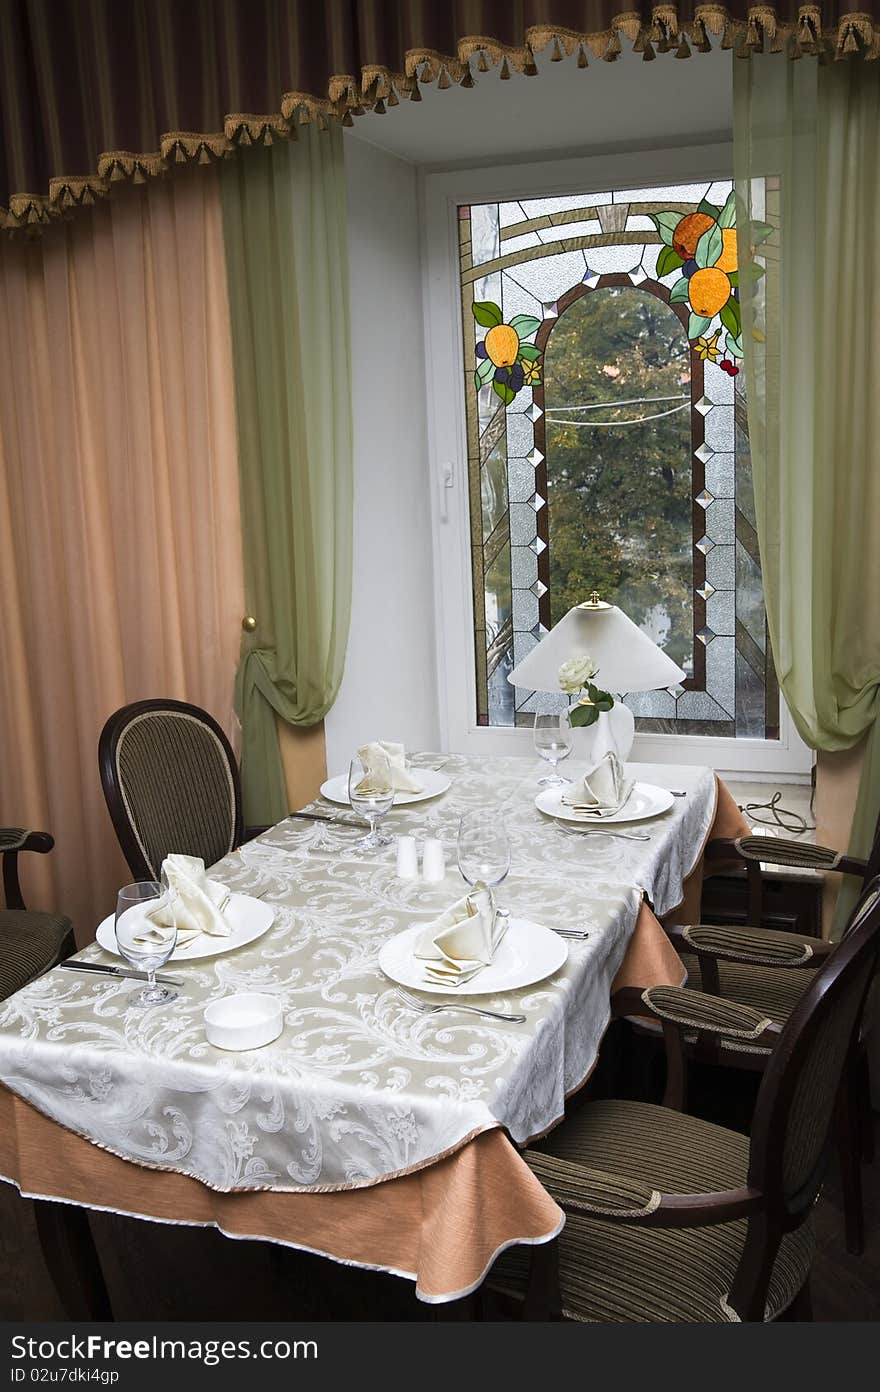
[(670, 1218), (32, 941), (770, 971), (171, 784)]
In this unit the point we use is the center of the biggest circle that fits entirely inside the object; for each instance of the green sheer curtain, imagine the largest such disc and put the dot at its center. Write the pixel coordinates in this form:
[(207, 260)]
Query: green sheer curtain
[(284, 219), (806, 141)]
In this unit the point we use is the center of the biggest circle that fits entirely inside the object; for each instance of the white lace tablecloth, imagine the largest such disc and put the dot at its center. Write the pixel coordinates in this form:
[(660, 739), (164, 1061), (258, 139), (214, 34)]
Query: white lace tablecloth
[(359, 1087)]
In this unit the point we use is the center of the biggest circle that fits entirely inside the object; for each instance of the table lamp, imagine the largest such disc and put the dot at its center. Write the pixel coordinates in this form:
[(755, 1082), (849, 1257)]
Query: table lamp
[(626, 660)]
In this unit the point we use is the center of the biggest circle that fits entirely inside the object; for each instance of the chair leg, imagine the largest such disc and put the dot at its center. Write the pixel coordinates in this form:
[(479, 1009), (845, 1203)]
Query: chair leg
[(72, 1260), (849, 1152), (866, 1115)]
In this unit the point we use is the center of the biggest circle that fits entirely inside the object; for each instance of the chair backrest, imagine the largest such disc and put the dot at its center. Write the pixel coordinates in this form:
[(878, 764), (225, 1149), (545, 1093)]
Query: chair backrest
[(794, 1114), (171, 784)]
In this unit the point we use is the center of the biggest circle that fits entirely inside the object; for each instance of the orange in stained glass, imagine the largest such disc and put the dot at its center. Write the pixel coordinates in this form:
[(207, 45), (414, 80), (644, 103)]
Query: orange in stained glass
[(727, 261), (502, 345), (708, 291), (688, 233)]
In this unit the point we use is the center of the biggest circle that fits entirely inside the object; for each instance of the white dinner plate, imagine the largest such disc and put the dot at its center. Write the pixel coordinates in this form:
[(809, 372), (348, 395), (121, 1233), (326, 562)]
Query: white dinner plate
[(644, 801), (528, 952), (248, 918), (433, 784)]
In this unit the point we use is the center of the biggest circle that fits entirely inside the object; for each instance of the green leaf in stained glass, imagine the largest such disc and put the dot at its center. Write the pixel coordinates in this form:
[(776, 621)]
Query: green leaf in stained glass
[(727, 216), (731, 317), (709, 209), (525, 325), (735, 346), (504, 391), (487, 313), (679, 292), (484, 372), (709, 247), (697, 325), (666, 224), (529, 352), (668, 260)]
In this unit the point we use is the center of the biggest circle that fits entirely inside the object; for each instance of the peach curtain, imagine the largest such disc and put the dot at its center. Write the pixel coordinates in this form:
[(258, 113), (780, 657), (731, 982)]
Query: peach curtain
[(120, 536)]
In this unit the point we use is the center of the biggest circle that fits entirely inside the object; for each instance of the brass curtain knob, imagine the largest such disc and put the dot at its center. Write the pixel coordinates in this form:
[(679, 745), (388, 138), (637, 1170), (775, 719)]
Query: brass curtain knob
[(249, 623)]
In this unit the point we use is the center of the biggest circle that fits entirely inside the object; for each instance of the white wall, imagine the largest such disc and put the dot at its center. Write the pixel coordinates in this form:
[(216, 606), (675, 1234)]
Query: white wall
[(389, 690)]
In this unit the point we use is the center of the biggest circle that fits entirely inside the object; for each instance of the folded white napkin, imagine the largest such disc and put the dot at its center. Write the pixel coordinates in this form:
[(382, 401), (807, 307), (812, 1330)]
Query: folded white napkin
[(198, 902), (463, 940), (603, 789), (402, 780)]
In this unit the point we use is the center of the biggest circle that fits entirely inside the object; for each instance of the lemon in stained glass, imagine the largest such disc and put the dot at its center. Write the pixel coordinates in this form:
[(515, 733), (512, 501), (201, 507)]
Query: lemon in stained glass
[(727, 261), (688, 232), (708, 291), (502, 345)]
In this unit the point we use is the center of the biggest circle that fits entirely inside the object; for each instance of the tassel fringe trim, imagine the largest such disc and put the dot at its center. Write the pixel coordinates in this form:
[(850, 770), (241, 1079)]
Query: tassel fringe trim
[(349, 97)]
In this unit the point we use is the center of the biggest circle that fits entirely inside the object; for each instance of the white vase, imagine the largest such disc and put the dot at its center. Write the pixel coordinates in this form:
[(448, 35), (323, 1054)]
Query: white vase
[(613, 731)]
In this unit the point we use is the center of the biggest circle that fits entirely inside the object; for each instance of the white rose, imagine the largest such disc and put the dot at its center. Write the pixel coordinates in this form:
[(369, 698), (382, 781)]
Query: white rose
[(575, 673)]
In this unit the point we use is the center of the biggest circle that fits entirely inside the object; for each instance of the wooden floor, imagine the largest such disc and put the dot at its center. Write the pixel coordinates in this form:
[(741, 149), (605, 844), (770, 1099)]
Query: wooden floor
[(155, 1271)]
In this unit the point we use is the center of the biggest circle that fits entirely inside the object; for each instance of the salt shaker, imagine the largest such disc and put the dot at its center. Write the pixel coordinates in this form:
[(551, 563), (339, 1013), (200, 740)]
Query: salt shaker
[(433, 860), (407, 858)]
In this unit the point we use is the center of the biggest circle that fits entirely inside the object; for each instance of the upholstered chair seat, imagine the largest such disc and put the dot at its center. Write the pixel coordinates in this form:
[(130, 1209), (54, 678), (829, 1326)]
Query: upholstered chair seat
[(672, 1218), (617, 1271), (30, 943)]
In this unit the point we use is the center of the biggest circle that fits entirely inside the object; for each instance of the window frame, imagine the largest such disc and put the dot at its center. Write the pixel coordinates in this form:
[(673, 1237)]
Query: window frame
[(442, 191)]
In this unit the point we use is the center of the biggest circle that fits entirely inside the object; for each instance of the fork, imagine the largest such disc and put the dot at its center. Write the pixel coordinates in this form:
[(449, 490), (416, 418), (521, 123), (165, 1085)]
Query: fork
[(425, 1009), (606, 831)]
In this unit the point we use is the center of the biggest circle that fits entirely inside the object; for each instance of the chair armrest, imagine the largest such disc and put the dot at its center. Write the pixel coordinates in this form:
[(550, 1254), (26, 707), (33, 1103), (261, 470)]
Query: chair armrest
[(13, 840), (694, 1010), (582, 1189), (760, 947), (579, 1189), (798, 855)]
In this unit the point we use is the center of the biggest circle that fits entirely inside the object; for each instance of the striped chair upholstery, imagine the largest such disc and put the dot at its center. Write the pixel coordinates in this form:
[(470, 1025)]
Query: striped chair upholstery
[(30, 943), (171, 783), (619, 1272), (620, 1170)]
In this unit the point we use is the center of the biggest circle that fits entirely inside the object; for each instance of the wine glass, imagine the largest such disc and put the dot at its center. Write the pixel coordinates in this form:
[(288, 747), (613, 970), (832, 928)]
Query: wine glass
[(483, 848), (553, 741), (144, 942), (371, 791)]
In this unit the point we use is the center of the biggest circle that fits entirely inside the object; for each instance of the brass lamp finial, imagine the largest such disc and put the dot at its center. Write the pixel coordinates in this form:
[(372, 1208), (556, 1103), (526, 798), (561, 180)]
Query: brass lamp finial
[(594, 602)]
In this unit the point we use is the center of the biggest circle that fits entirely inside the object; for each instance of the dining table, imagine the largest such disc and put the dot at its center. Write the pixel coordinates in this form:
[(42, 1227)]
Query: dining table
[(370, 1131)]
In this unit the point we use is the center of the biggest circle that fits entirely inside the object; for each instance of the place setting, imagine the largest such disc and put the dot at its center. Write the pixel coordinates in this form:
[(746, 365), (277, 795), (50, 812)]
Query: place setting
[(605, 794), (185, 916), (475, 947)]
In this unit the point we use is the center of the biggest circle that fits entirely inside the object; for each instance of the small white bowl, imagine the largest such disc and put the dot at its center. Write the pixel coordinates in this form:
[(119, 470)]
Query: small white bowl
[(245, 1021)]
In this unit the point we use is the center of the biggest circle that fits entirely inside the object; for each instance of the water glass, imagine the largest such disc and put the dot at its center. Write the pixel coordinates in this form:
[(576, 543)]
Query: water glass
[(371, 792), (143, 942), (553, 741), (483, 848)]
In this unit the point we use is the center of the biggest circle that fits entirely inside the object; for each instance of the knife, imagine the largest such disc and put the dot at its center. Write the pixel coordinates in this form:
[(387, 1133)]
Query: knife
[(331, 821), (100, 970)]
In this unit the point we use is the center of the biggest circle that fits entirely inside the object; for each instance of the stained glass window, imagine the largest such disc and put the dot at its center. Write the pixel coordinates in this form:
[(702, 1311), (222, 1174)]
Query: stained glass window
[(608, 446)]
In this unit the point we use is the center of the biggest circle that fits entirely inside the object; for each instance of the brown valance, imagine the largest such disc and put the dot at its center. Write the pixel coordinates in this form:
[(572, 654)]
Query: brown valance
[(94, 91)]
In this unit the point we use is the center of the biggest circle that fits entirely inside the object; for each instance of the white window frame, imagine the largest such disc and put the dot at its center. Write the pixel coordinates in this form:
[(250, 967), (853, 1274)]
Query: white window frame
[(787, 759)]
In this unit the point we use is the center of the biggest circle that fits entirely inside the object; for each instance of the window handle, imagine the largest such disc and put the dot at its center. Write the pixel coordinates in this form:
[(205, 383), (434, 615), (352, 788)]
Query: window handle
[(447, 481)]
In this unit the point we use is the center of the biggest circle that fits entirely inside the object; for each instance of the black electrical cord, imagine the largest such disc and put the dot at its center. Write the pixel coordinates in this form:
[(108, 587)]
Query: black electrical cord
[(784, 817)]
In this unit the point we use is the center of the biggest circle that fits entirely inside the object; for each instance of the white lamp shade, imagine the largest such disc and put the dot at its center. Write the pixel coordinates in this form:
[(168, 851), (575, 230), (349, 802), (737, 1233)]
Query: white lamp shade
[(626, 658)]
